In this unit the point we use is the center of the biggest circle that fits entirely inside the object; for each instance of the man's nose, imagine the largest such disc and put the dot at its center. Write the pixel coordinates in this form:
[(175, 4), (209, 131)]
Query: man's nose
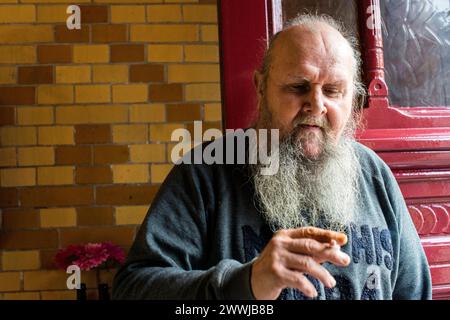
[(313, 104)]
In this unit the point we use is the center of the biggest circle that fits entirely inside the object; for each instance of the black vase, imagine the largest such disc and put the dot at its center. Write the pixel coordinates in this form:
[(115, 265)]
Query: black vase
[(103, 291), (81, 293)]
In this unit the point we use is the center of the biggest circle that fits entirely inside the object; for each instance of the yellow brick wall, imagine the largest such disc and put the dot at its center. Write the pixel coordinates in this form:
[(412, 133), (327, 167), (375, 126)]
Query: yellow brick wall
[(86, 118)]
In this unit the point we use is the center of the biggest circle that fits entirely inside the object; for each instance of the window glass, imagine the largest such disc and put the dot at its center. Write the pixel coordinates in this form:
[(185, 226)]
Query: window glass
[(416, 41), (342, 10)]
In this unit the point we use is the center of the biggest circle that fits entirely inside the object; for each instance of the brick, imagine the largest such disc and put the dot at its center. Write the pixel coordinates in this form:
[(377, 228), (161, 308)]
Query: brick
[(183, 112), (38, 239), (125, 195), (36, 156), (52, 13), (35, 75), (95, 53), (213, 112), (129, 93), (164, 33), (163, 132), (110, 154), (130, 173), (130, 1), (15, 219), (55, 175), (127, 53), (58, 217), (52, 1), (34, 115), (9, 281), (8, 197), (26, 33), (200, 13), (165, 92), (59, 295), (122, 236), (193, 73), (93, 175), (95, 216), (17, 54), (202, 92), (94, 14), (22, 296), (62, 34), (73, 74), (18, 177), (110, 73), (8, 75), (201, 53), (130, 133), (56, 196), (160, 172), (45, 280), (8, 157), (17, 14), (94, 134), (92, 93), (148, 153), (127, 14), (205, 127), (7, 116), (164, 53), (48, 94), (56, 135), (109, 33), (20, 260), (164, 13), (131, 215), (180, 1), (147, 113), (146, 73), (47, 257), (18, 136), (17, 95), (73, 155), (209, 33), (54, 53), (91, 114)]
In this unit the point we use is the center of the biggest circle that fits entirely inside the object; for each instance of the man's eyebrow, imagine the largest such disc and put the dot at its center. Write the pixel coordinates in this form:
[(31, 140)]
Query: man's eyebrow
[(299, 79)]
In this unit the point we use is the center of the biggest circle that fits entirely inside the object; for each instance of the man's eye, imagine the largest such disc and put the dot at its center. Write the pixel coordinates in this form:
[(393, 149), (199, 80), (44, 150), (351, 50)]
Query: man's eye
[(300, 88), (332, 92)]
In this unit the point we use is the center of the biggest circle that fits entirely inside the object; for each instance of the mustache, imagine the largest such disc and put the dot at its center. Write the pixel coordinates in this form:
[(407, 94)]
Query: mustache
[(311, 121)]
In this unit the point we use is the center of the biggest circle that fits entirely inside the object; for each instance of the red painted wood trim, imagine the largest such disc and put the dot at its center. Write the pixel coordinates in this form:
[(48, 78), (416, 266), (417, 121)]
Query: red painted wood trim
[(243, 39)]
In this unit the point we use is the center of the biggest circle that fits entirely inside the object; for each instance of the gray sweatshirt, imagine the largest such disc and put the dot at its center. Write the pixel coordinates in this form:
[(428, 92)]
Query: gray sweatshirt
[(203, 230)]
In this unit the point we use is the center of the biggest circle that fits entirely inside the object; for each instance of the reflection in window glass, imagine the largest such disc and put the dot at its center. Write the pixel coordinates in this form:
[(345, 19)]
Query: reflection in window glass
[(342, 10), (416, 40)]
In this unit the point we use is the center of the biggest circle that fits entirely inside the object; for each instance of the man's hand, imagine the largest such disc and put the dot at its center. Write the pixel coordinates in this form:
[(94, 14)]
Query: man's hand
[(290, 254)]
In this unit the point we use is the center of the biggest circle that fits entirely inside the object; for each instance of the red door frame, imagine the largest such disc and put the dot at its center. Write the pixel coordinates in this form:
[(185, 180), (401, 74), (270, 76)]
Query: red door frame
[(414, 142)]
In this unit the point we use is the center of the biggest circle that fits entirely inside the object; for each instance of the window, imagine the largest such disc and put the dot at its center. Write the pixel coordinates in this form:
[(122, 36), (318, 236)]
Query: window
[(416, 41)]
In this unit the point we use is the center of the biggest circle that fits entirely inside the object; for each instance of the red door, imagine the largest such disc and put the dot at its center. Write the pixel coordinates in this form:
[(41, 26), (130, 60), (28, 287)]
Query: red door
[(407, 114)]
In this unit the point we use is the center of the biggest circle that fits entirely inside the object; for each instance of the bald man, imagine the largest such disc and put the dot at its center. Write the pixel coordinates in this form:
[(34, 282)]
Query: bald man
[(331, 223)]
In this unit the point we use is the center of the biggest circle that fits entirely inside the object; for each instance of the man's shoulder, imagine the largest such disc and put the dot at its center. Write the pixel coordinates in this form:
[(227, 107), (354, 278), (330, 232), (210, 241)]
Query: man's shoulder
[(371, 163)]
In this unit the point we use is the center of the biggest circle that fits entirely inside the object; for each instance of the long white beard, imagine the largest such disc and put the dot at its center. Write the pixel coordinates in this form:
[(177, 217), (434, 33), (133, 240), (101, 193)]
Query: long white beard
[(322, 192)]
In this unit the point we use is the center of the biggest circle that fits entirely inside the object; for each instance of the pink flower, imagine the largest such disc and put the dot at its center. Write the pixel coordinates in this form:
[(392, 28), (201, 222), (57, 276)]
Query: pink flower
[(90, 255), (66, 257)]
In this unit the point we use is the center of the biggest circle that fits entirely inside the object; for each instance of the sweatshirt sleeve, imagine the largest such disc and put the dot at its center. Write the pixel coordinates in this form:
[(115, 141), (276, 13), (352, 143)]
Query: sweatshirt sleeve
[(413, 281), (168, 259)]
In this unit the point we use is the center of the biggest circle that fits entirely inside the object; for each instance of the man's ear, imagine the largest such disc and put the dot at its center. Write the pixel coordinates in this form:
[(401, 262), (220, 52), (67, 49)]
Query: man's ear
[(258, 80)]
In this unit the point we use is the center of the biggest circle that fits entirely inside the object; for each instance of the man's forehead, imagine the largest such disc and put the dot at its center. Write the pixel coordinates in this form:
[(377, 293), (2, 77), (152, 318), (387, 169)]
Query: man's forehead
[(324, 47)]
